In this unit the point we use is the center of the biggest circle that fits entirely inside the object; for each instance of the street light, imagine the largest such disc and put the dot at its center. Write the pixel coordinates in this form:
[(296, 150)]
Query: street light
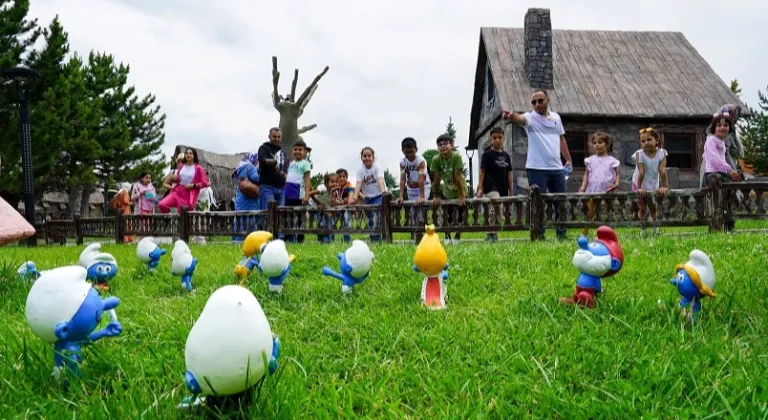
[(470, 154), (23, 77)]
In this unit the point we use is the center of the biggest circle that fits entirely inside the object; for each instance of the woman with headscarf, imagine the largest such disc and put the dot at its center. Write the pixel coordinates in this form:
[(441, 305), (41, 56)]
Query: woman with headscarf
[(247, 168), (122, 202), (734, 150)]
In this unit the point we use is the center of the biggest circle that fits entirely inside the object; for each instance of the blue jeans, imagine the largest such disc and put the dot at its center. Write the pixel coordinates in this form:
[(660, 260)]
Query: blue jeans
[(548, 181), (374, 214), (270, 193)]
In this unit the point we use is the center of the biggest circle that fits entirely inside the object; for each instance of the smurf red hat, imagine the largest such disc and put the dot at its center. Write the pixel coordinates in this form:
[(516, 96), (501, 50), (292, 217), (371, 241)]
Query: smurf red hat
[(607, 237)]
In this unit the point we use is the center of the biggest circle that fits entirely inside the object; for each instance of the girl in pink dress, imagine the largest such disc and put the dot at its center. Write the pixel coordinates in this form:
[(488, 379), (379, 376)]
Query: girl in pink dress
[(143, 195), (190, 179), (602, 173)]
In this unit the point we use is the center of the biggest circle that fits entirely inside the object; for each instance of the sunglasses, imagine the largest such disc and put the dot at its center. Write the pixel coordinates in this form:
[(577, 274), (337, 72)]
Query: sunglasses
[(646, 130), (537, 101)]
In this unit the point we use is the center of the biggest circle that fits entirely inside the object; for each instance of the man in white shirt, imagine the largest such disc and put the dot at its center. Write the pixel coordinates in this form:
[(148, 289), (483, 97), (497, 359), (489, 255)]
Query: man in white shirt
[(546, 142)]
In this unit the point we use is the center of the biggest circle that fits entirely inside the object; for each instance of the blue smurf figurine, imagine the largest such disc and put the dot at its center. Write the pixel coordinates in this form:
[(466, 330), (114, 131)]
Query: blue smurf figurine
[(149, 253), (694, 280), (183, 264), (355, 264), (595, 260), (28, 271), (275, 263), (64, 310), (101, 266)]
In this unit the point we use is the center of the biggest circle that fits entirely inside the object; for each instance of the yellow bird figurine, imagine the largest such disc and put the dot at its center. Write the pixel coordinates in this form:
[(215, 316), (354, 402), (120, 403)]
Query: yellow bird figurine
[(251, 249), (432, 260)]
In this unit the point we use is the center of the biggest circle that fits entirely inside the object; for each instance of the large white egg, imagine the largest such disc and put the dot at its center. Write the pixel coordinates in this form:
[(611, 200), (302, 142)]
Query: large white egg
[(55, 297), (359, 257), (144, 248), (229, 342), (274, 258)]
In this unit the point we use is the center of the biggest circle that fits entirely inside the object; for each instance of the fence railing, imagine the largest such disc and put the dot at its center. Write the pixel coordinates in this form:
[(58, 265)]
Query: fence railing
[(712, 206)]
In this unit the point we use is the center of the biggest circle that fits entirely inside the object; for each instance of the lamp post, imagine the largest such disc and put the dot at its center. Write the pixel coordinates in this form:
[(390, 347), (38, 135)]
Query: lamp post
[(470, 154), (23, 77)]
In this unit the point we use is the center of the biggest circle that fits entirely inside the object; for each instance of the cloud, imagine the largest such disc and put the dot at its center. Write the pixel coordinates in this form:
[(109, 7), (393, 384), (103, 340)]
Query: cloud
[(397, 68)]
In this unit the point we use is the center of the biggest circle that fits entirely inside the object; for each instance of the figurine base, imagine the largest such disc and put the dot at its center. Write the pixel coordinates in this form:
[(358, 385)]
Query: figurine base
[(434, 293), (276, 288), (346, 290)]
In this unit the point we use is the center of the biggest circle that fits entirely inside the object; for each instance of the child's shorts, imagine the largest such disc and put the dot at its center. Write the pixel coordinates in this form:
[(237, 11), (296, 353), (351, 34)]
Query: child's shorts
[(413, 193)]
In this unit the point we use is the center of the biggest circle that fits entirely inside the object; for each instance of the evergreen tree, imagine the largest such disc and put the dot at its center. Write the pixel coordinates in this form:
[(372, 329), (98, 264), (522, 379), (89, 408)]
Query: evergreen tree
[(390, 181), (754, 135)]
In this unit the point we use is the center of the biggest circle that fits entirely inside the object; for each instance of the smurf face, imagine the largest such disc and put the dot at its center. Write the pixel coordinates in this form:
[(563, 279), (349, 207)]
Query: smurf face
[(685, 285), (594, 258), (102, 271)]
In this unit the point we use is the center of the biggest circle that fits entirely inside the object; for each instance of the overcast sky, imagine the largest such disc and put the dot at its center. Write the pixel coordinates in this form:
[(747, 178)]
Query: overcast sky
[(397, 68)]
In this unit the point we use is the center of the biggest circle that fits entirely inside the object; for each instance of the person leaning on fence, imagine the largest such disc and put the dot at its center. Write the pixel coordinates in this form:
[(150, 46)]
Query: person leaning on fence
[(246, 174), (121, 202), (273, 164), (347, 189), (734, 150), (546, 142), (414, 180), (370, 182), (144, 197), (297, 185), (496, 178), (650, 171), (714, 156), (448, 167), (190, 178), (327, 194)]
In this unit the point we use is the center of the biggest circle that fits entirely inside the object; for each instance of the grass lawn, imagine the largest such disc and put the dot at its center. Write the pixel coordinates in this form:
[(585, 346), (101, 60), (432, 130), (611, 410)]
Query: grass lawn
[(504, 348)]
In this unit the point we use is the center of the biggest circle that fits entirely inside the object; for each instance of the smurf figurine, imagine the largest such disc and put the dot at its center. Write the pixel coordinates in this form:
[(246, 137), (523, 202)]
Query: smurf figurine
[(432, 260), (694, 280), (595, 261), (229, 348), (251, 248), (64, 310), (183, 264), (275, 263), (101, 266), (28, 271), (355, 266), (149, 253)]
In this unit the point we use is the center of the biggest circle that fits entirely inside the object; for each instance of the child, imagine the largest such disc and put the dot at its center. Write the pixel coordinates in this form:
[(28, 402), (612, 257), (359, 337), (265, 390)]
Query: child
[(121, 202), (143, 195), (413, 180), (495, 173), (714, 153), (370, 182), (650, 166), (328, 194), (347, 188), (602, 173), (206, 201), (297, 183), (448, 167)]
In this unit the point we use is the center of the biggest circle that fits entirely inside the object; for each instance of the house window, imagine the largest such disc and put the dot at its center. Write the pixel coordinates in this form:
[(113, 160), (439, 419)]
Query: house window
[(578, 145), (490, 87), (681, 150)]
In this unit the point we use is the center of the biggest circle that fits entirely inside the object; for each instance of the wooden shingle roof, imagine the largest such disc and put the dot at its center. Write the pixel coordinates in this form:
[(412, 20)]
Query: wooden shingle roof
[(607, 74)]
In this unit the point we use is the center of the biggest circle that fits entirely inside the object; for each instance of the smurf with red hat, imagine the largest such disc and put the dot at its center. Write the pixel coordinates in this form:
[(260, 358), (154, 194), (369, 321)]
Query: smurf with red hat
[(595, 260), (694, 280)]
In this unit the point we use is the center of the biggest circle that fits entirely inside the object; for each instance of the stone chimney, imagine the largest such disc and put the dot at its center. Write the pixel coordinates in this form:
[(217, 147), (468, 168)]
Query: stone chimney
[(538, 49)]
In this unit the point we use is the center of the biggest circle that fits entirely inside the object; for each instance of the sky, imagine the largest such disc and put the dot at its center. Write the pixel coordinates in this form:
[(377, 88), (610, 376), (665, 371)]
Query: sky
[(397, 68)]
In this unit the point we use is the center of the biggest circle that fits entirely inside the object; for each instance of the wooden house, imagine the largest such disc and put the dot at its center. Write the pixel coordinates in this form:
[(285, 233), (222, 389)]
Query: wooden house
[(612, 81)]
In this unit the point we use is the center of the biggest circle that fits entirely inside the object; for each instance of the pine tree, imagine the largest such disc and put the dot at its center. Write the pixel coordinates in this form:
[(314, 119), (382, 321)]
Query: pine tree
[(390, 181), (754, 135)]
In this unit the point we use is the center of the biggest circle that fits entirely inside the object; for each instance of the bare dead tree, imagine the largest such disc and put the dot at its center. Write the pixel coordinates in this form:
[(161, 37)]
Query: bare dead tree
[(290, 110)]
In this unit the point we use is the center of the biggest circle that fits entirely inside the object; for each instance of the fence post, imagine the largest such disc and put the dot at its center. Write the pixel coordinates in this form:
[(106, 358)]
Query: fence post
[(717, 207), (386, 217), (535, 212), (78, 229), (272, 218), (184, 223), (119, 228)]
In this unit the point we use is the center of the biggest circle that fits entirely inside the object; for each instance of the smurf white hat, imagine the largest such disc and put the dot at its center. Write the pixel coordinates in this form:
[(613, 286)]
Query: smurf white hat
[(699, 268), (92, 254), (125, 186), (54, 298)]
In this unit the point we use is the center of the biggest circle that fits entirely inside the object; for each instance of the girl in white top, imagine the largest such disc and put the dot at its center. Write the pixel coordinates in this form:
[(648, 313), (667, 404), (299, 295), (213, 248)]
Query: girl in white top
[(650, 169), (370, 180)]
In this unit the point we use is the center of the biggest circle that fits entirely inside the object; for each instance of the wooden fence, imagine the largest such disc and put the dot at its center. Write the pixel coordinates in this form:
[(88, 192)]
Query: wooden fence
[(712, 206)]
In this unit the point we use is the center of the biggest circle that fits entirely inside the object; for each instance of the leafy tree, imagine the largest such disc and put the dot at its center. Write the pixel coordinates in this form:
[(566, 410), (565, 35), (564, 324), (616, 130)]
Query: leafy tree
[(316, 180), (390, 181), (450, 129), (754, 135), (735, 88)]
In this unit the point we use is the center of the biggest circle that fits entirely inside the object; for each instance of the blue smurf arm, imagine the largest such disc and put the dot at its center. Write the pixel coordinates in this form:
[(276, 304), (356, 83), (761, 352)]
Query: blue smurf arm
[(186, 279), (112, 329), (278, 280), (275, 354), (191, 382), (416, 269), (154, 257), (327, 271)]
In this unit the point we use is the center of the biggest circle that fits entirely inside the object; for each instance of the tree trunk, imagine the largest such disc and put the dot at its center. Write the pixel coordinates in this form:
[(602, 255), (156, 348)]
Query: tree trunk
[(10, 198), (74, 201), (85, 201)]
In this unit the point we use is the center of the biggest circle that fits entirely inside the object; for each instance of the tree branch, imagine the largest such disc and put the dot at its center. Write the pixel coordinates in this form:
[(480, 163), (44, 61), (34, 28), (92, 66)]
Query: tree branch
[(303, 99), (306, 128), (293, 84), (275, 79), (306, 100)]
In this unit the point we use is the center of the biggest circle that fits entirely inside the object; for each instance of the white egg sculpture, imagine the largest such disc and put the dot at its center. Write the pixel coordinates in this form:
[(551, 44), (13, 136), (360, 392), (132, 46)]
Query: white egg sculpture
[(274, 258), (359, 257), (229, 343), (55, 298), (144, 248)]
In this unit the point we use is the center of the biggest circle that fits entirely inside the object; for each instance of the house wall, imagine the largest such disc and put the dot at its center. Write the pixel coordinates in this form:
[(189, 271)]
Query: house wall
[(491, 108), (625, 135)]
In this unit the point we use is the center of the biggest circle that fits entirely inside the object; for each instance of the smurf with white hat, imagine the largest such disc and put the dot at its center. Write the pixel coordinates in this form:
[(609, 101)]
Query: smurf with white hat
[(63, 309), (28, 271), (100, 266), (694, 280)]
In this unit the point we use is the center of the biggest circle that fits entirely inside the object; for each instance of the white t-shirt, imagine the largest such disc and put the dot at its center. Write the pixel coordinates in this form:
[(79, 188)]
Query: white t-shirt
[(411, 170), (187, 174), (543, 140), (368, 176)]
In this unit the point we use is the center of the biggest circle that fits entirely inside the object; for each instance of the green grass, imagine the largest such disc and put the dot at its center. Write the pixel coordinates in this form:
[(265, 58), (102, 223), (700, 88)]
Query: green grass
[(504, 348)]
